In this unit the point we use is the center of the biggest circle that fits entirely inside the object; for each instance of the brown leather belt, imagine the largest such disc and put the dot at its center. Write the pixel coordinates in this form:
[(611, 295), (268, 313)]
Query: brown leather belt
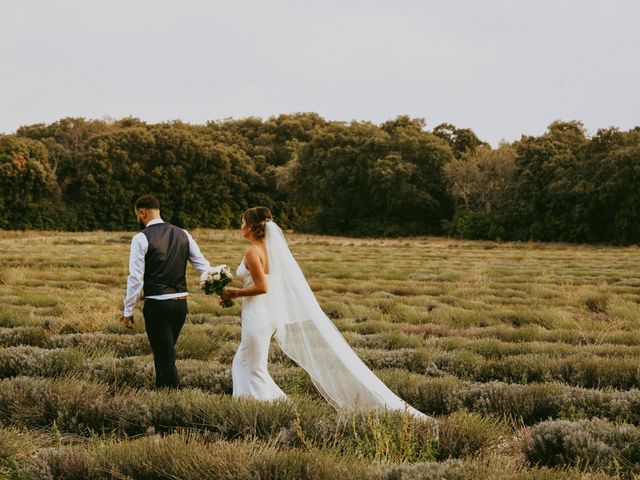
[(173, 298)]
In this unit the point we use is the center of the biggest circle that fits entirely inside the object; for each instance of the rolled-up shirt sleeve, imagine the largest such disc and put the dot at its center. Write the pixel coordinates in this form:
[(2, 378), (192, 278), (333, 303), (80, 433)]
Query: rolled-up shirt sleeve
[(196, 258), (135, 281)]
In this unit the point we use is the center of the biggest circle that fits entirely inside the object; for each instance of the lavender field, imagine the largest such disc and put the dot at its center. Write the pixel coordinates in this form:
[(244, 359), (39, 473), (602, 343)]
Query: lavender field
[(528, 354)]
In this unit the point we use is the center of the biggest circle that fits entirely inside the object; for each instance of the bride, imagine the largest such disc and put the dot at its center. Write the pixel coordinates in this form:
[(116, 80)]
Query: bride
[(279, 301)]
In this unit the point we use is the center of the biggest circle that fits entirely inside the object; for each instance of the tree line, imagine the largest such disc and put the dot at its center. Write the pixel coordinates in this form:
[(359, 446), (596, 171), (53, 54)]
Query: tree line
[(357, 178)]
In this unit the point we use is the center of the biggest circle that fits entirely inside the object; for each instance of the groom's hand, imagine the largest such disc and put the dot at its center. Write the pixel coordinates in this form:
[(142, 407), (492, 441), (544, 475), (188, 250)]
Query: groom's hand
[(128, 321)]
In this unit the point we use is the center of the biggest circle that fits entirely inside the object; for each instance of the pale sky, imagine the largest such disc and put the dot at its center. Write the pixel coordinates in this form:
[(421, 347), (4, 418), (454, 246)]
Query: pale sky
[(500, 67)]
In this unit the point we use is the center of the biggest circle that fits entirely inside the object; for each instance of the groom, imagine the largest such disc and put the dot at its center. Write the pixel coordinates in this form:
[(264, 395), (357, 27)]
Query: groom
[(157, 264)]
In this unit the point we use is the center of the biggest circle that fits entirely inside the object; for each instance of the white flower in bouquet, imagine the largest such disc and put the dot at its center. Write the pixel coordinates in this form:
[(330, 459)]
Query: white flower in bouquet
[(214, 281)]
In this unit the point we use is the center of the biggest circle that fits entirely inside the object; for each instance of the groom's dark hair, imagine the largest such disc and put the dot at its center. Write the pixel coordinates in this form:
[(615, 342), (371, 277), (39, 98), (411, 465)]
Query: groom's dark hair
[(147, 201)]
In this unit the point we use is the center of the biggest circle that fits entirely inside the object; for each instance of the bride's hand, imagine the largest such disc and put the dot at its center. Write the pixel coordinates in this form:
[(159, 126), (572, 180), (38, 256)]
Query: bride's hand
[(228, 293)]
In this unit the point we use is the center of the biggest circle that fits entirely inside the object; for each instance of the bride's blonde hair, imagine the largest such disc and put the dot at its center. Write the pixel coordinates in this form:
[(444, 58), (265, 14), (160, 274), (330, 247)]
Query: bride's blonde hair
[(256, 218)]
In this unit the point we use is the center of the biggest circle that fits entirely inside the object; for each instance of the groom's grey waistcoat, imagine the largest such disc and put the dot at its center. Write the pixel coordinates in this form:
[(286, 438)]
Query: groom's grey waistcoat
[(166, 259)]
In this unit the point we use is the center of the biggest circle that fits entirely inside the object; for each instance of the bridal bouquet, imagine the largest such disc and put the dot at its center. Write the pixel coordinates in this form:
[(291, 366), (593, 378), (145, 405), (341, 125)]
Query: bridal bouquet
[(215, 280)]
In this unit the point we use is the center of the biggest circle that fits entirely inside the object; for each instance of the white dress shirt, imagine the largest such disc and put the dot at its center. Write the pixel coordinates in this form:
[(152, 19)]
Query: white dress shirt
[(135, 281)]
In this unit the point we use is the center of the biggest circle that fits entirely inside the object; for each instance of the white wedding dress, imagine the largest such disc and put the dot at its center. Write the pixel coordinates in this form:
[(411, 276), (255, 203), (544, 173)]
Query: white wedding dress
[(249, 368), (291, 312)]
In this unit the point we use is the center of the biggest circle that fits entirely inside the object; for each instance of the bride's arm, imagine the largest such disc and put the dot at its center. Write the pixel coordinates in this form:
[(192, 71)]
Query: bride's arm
[(252, 260)]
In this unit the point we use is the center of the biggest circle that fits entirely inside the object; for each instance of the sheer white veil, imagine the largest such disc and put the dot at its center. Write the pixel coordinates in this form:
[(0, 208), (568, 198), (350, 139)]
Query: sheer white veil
[(311, 339)]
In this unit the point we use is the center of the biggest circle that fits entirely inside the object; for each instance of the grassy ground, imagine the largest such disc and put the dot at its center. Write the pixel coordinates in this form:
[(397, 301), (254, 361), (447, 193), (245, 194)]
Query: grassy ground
[(528, 354)]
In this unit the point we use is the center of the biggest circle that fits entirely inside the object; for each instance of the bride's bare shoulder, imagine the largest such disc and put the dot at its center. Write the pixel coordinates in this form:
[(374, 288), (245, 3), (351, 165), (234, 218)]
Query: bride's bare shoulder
[(252, 253)]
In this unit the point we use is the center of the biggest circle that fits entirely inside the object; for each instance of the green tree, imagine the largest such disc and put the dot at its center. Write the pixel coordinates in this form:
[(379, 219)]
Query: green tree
[(482, 187), (461, 140), (545, 199), (364, 179), (27, 184)]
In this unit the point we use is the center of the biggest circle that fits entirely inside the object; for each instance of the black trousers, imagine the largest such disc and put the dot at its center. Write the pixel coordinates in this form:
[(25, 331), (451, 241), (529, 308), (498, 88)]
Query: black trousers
[(163, 320)]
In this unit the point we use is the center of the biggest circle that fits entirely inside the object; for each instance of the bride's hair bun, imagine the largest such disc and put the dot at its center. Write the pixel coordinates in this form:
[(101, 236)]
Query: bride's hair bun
[(256, 218)]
